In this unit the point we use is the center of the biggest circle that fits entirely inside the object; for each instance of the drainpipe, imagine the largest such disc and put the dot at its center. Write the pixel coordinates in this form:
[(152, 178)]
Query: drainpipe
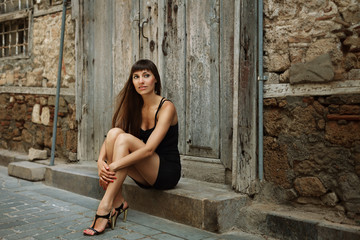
[(58, 84), (261, 78)]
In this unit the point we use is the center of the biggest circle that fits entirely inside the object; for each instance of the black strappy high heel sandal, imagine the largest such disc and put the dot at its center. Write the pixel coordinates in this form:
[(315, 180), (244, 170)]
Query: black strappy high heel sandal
[(117, 213), (107, 216)]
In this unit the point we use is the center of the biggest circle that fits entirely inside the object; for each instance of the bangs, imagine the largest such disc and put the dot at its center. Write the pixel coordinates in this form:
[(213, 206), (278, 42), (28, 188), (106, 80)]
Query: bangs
[(142, 65)]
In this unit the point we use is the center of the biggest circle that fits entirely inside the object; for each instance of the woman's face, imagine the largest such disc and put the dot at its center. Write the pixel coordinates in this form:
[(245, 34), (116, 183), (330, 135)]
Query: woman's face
[(144, 82)]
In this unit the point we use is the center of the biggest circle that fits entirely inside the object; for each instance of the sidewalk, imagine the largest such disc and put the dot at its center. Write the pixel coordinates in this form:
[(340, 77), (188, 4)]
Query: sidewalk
[(32, 210)]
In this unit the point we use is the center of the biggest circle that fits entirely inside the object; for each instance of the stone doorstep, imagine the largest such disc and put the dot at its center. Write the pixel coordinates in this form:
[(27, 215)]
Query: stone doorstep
[(27, 170), (203, 205)]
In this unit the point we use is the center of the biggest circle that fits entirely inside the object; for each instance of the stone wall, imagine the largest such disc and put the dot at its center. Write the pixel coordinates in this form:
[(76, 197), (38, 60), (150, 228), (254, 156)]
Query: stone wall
[(27, 119), (312, 147), (300, 31), (312, 143)]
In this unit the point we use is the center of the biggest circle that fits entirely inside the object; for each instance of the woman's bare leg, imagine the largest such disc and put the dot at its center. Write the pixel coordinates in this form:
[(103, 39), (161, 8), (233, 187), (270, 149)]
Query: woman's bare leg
[(110, 142), (109, 146), (144, 171)]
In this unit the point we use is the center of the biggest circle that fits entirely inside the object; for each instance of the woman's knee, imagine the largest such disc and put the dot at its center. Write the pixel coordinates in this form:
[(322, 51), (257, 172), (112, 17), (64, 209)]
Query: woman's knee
[(113, 134), (123, 139)]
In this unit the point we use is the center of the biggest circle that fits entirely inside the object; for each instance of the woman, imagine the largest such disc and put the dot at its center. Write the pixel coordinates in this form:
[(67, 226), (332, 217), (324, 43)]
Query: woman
[(142, 144)]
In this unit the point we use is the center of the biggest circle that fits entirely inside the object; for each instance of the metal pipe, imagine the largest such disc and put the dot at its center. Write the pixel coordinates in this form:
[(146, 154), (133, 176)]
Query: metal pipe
[(58, 84), (260, 88)]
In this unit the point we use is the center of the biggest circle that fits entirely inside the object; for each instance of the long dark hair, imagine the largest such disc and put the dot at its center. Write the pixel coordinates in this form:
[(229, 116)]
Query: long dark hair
[(129, 103)]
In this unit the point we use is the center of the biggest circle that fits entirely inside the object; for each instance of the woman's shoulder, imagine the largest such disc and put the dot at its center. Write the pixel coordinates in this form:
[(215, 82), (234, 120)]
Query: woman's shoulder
[(167, 108), (168, 104)]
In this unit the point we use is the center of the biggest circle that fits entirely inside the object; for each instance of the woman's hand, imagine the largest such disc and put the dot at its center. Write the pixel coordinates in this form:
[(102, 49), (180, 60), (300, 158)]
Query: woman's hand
[(105, 175), (112, 167)]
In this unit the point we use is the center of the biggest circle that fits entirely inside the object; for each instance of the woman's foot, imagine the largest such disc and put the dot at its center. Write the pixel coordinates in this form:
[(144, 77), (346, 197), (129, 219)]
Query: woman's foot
[(98, 225)]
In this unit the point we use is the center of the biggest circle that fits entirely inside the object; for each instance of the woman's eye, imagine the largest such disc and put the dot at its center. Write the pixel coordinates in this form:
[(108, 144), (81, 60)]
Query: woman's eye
[(135, 77)]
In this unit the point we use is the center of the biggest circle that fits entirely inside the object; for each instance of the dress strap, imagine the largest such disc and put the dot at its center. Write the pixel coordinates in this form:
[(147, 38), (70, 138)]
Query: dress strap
[(160, 105)]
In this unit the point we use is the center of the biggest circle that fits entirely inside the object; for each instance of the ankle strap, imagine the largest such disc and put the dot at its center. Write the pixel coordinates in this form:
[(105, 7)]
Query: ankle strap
[(119, 208), (103, 216)]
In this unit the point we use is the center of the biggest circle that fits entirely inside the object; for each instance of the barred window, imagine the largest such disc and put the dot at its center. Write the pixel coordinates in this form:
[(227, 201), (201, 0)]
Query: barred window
[(14, 28), (14, 36)]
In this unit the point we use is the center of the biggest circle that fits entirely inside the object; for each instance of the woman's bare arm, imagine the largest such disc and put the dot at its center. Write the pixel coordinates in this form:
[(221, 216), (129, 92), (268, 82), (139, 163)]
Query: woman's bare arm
[(165, 117)]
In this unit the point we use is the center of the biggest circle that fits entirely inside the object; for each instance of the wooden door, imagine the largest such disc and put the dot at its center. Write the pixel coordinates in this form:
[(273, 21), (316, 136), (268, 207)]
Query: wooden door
[(190, 41), (206, 54)]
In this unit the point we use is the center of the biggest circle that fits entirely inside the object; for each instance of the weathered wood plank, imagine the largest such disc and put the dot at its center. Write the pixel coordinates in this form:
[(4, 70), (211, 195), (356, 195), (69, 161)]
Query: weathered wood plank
[(14, 15), (37, 90), (247, 159), (149, 41), (85, 75), (126, 40), (202, 114), (103, 72), (226, 80), (172, 59), (313, 89)]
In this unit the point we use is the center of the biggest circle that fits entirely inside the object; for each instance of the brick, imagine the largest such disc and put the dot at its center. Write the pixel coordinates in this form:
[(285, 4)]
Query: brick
[(343, 117)]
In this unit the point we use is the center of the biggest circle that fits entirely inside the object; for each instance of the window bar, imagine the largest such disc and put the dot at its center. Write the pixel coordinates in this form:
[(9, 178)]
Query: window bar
[(17, 39), (2, 40), (9, 40), (26, 31)]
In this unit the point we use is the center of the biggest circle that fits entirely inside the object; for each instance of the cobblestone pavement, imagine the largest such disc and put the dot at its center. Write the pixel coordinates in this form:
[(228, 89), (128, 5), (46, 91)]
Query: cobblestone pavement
[(32, 210)]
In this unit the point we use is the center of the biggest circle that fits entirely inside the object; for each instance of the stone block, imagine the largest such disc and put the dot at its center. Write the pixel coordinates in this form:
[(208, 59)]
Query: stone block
[(330, 199), (349, 187), (345, 135), (324, 46), (35, 116), (354, 74), (26, 136), (277, 62), (37, 154), (45, 116), (309, 186), (72, 157), (27, 170), (316, 71)]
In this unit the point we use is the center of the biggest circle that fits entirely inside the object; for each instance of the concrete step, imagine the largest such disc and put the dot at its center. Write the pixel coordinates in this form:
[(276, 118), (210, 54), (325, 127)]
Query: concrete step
[(208, 206)]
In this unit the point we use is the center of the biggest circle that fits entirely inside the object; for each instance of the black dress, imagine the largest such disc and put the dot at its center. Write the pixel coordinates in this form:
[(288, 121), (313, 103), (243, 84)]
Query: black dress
[(170, 167)]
